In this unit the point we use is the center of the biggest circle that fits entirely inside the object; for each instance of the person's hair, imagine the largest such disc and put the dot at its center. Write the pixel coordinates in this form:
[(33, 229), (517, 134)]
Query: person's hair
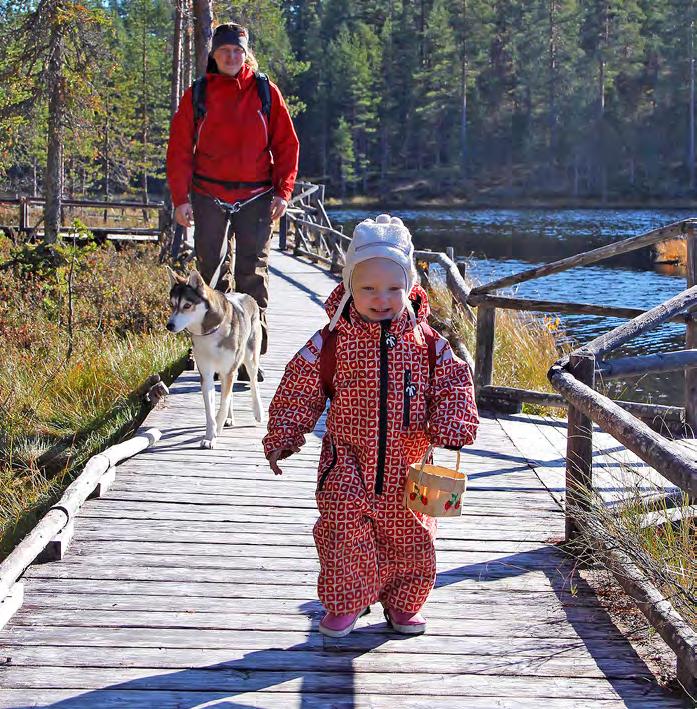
[(251, 61)]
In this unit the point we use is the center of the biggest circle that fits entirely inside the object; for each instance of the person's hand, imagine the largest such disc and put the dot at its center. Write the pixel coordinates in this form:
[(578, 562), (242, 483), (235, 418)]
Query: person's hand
[(278, 208), (277, 455), (184, 215)]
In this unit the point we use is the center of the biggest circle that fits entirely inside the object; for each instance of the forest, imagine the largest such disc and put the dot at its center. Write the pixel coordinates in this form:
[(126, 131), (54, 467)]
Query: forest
[(473, 100)]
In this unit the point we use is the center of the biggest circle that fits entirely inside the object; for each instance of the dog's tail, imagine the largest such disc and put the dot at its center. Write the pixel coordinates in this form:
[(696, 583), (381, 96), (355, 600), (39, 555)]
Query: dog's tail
[(256, 323)]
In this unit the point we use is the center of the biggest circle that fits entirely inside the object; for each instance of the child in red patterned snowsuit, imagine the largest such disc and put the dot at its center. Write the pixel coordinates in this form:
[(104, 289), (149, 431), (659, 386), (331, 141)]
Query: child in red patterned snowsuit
[(386, 408)]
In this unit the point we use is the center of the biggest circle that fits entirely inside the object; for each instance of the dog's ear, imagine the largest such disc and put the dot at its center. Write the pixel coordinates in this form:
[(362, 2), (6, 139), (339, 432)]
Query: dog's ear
[(174, 277), (196, 281)]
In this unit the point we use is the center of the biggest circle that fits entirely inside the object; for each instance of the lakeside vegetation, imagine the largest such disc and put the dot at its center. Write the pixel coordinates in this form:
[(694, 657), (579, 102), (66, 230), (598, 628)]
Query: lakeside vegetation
[(81, 329)]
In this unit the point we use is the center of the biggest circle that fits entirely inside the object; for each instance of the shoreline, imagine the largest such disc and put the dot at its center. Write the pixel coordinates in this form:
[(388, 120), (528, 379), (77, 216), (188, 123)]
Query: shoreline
[(360, 202)]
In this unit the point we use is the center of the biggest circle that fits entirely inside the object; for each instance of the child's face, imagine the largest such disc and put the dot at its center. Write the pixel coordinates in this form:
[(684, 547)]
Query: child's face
[(378, 287)]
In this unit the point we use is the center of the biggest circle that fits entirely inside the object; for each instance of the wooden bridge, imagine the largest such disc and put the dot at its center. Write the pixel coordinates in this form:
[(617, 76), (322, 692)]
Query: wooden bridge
[(191, 582)]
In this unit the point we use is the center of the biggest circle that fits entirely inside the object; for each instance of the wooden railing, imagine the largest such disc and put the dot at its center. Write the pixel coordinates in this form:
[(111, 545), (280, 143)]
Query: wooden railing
[(120, 220), (310, 229), (488, 301), (574, 377)]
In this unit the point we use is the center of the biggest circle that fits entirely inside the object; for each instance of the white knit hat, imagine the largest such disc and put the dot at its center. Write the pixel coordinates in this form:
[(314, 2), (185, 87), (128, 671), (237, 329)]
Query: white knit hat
[(385, 237)]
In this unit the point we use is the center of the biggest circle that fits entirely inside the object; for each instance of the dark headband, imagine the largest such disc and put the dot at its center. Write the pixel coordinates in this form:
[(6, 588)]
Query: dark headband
[(229, 35)]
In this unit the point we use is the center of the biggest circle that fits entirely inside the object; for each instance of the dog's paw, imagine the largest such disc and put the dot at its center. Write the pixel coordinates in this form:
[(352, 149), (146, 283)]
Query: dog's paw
[(208, 443), (229, 422)]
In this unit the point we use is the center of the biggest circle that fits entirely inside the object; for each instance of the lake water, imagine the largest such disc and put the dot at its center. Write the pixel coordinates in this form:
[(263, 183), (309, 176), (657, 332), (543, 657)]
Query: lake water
[(499, 242)]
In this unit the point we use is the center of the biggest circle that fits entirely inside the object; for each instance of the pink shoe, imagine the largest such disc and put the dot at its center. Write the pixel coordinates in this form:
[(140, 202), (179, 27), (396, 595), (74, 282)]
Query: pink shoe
[(405, 623), (336, 626)]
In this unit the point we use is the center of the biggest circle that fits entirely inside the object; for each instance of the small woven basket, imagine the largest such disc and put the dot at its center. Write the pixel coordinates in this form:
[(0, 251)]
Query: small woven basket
[(434, 490)]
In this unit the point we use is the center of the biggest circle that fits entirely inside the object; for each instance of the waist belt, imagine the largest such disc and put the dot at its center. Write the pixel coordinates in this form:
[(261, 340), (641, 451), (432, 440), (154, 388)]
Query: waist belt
[(231, 185)]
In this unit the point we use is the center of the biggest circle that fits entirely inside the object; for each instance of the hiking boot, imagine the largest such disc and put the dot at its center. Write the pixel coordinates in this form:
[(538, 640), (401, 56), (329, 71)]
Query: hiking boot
[(405, 623), (336, 626), (243, 374)]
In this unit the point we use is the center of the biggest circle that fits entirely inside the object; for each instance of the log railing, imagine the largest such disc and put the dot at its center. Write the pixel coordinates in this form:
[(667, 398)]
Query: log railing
[(487, 301), (574, 377), (48, 540), (117, 220), (310, 229)]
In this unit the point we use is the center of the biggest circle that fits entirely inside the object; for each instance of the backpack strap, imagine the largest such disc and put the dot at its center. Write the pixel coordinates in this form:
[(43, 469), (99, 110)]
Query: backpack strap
[(264, 91), (198, 98), (327, 361), (431, 337)]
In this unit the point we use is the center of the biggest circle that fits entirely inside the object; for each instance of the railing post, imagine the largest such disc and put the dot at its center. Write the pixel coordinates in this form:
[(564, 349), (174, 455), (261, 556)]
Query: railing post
[(484, 354), (579, 448), (691, 336), (23, 214)]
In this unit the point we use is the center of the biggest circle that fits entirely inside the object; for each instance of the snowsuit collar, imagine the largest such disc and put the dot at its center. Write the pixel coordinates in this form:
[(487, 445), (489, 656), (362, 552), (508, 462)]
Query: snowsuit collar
[(351, 321)]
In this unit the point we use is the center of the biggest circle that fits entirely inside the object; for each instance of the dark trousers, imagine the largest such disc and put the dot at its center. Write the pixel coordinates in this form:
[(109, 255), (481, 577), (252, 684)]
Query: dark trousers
[(250, 237)]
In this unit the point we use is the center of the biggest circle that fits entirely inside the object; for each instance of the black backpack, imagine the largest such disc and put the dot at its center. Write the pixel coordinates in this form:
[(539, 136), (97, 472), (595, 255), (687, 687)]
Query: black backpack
[(198, 97)]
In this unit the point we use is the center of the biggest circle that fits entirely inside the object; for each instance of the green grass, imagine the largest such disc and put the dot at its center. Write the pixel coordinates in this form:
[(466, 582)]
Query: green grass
[(64, 399), (666, 553)]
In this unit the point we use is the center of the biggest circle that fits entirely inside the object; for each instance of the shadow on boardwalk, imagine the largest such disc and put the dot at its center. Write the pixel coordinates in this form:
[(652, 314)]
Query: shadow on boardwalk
[(321, 670)]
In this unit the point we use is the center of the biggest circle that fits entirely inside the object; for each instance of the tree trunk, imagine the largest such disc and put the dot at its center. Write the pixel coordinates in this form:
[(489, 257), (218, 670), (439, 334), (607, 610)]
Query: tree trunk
[(54, 156), (177, 44), (187, 59), (145, 126), (203, 31), (464, 156), (691, 137), (552, 79), (601, 104)]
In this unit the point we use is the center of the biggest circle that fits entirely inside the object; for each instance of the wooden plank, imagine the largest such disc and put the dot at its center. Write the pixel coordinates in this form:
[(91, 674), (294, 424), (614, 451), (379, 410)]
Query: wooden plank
[(454, 579), (470, 592), (11, 603), (366, 638), (147, 699), (548, 607), (505, 564), (308, 660), (264, 622), (415, 683)]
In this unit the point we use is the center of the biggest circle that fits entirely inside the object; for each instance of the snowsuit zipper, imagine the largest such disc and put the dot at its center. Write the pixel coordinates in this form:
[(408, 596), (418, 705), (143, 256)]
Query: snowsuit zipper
[(408, 393), (382, 422)]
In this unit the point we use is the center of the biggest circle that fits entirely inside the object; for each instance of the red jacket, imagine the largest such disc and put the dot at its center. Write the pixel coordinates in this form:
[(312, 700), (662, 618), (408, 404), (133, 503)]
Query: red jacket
[(235, 143), (438, 409)]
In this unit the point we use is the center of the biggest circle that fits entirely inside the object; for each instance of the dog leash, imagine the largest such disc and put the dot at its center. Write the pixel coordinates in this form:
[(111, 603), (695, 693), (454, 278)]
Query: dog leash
[(229, 209)]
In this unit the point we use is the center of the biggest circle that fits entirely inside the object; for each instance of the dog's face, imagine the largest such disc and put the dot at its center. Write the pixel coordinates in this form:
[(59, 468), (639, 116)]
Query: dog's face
[(188, 300)]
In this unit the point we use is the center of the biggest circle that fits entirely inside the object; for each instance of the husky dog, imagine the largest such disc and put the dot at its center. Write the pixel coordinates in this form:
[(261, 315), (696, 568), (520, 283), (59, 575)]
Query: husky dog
[(225, 331)]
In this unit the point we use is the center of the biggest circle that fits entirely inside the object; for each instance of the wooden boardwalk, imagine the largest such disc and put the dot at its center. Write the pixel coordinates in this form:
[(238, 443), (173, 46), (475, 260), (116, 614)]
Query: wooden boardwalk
[(192, 582)]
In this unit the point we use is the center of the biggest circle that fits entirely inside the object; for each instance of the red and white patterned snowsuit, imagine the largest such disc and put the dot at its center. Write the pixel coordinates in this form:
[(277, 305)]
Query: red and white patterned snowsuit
[(370, 546)]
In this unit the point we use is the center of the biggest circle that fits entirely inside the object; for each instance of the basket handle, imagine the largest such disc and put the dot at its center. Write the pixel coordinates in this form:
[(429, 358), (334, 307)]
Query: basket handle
[(427, 455)]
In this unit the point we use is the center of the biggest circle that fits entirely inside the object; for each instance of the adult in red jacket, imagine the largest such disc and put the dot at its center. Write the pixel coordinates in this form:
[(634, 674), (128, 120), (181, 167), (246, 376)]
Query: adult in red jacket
[(233, 154)]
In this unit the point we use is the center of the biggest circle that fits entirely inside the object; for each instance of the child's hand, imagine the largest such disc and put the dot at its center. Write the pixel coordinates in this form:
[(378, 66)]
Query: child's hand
[(280, 454)]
